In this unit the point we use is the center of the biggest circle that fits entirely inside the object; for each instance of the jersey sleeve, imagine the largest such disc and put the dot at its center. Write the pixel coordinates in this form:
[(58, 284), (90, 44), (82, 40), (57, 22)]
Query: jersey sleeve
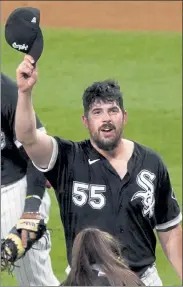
[(9, 97), (60, 163), (167, 210)]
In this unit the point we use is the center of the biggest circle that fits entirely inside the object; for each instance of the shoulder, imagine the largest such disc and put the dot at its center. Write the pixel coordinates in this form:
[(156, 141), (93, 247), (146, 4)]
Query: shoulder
[(9, 90), (150, 155), (77, 145), (7, 82)]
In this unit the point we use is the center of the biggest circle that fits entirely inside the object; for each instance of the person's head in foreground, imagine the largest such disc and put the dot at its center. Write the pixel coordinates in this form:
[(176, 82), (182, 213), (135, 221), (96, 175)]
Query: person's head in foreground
[(104, 114), (97, 261)]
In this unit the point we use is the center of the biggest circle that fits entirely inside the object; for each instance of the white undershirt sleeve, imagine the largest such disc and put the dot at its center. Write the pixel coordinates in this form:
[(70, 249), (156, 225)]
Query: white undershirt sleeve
[(53, 158)]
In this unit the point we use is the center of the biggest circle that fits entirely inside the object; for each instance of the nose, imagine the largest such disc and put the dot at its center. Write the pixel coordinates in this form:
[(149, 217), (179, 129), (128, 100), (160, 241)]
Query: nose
[(106, 117)]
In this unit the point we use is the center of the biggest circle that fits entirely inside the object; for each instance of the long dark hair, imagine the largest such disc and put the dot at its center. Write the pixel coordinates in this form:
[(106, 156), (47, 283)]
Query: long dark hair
[(93, 246)]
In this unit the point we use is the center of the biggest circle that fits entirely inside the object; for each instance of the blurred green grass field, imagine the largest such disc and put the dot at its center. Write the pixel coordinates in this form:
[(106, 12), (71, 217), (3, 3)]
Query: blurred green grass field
[(148, 68)]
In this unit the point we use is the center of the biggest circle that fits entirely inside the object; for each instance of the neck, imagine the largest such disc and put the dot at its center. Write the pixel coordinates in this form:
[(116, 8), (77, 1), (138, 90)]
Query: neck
[(118, 150)]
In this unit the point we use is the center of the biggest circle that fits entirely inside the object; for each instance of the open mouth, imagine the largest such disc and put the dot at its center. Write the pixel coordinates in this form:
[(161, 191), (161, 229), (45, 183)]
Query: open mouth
[(107, 130)]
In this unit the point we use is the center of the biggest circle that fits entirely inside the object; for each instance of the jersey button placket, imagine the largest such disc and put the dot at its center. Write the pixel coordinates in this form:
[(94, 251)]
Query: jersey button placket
[(121, 228)]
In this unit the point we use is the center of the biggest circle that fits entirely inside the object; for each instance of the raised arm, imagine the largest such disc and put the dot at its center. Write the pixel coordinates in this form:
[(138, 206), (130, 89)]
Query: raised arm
[(38, 145)]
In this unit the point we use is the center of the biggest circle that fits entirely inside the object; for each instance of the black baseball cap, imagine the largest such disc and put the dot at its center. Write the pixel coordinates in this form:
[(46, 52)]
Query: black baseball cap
[(22, 31)]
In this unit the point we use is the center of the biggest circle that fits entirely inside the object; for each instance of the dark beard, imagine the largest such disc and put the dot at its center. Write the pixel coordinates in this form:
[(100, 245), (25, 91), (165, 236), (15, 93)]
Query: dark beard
[(107, 146)]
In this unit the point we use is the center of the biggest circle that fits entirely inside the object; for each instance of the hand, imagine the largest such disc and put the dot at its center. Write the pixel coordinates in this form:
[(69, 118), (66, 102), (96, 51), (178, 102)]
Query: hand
[(25, 233), (28, 230), (25, 84), (48, 184)]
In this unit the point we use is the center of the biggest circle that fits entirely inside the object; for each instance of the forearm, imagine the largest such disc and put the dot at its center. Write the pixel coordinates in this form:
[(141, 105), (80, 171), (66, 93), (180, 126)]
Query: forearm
[(25, 120), (174, 253), (36, 184), (173, 249), (37, 145)]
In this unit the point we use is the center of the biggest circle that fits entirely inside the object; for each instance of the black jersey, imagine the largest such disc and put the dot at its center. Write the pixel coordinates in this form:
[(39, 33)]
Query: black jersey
[(91, 193), (13, 165)]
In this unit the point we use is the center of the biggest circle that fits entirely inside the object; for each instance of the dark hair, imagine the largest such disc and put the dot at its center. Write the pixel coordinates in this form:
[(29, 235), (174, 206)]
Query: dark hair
[(106, 91), (93, 246)]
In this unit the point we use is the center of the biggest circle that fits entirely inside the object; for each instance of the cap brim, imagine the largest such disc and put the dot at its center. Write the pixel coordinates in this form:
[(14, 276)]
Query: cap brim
[(37, 47)]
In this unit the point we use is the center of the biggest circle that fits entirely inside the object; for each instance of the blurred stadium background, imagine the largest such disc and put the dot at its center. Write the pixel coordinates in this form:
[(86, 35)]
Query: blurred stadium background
[(136, 42)]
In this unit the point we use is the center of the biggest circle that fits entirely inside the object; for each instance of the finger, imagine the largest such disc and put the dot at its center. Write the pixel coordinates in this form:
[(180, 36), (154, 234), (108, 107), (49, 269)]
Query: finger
[(48, 184), (32, 235), (25, 69), (27, 64), (33, 77), (24, 238), (33, 216), (29, 59)]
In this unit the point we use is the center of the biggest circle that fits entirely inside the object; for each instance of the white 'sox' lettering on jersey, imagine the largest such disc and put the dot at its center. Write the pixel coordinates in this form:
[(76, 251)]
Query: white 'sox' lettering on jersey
[(145, 180)]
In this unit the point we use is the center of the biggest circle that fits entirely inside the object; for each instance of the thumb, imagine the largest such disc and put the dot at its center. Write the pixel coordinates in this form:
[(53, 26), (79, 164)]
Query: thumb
[(24, 238), (32, 80)]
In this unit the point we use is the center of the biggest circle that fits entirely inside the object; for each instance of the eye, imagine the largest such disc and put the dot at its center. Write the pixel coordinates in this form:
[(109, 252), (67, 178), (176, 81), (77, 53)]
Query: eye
[(96, 112), (114, 110)]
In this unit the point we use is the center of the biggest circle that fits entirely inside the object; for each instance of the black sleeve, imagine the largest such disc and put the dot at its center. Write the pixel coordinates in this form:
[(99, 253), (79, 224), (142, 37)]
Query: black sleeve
[(167, 210), (9, 97), (36, 184), (36, 180), (59, 174)]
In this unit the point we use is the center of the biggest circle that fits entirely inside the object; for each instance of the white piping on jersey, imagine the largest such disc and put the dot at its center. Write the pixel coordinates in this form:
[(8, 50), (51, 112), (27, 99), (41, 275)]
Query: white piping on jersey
[(19, 144), (170, 223), (53, 157), (94, 267), (97, 268)]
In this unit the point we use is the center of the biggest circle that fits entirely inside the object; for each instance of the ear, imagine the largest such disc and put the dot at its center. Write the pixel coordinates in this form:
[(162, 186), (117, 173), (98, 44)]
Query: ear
[(85, 121), (125, 118)]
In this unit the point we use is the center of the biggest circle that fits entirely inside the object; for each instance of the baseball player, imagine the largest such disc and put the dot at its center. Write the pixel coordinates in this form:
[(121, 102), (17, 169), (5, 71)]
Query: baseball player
[(23, 194), (107, 181)]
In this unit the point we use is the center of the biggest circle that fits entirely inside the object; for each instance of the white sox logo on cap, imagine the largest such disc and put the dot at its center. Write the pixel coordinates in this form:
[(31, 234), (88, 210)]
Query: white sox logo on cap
[(20, 47)]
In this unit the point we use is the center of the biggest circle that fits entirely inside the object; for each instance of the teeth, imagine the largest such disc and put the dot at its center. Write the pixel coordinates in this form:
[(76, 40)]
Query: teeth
[(106, 130)]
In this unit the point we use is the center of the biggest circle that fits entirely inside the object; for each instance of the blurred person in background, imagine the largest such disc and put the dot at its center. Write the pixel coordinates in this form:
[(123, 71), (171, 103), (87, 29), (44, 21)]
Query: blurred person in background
[(23, 194), (97, 261)]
